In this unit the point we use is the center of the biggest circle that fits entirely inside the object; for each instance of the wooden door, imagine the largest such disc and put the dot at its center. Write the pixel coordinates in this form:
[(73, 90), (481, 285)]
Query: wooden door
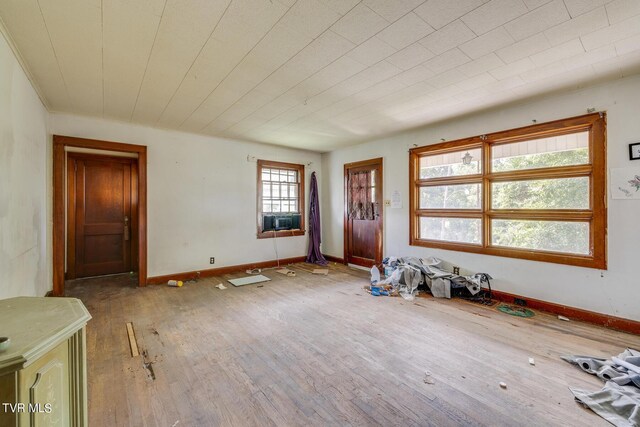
[(363, 212), (101, 215)]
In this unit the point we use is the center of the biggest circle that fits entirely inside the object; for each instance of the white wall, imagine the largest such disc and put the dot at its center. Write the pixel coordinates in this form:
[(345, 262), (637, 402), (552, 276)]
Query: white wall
[(201, 194), (615, 291), (25, 268)]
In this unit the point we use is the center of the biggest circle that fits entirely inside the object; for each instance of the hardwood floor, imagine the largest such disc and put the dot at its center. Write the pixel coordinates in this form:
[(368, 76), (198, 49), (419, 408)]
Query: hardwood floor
[(318, 350)]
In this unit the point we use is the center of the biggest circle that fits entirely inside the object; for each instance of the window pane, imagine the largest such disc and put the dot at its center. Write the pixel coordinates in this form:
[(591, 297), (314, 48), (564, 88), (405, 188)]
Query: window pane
[(561, 193), (451, 164), (284, 191), (266, 206), (266, 174), (275, 206), (293, 176), (293, 190), (465, 230), (283, 176), (275, 191), (554, 236), (266, 190), (563, 150), (464, 196)]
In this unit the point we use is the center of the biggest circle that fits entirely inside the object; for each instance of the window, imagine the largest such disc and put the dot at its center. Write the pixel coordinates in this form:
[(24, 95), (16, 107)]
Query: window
[(535, 193), (280, 199)]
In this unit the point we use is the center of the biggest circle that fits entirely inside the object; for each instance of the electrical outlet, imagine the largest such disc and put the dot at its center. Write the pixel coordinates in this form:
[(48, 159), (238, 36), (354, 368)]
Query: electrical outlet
[(212, 260), (387, 202)]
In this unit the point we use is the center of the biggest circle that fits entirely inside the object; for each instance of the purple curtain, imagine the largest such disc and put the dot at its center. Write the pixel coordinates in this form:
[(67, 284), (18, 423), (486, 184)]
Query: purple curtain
[(314, 256)]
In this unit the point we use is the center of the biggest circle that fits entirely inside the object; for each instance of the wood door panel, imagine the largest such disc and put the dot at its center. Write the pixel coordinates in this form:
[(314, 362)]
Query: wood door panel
[(102, 207), (99, 249), (104, 192), (363, 236), (363, 232)]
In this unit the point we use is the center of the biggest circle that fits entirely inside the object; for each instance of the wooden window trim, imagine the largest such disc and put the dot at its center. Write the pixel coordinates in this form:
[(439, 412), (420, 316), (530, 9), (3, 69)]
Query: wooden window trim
[(596, 170), (282, 233)]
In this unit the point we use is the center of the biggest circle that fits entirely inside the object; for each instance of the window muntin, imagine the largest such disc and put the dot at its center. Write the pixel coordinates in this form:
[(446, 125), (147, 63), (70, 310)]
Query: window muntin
[(535, 193), (280, 191)]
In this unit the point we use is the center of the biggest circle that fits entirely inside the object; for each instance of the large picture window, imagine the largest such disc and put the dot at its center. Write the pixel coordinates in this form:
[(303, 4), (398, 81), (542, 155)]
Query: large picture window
[(535, 193), (280, 199)]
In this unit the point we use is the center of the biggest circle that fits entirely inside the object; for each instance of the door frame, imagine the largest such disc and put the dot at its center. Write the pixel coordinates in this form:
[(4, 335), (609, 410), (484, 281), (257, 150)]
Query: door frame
[(379, 230), (59, 204), (70, 248)]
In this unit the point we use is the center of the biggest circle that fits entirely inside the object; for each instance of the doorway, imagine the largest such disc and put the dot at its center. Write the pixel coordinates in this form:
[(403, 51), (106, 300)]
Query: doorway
[(103, 241), (102, 203), (363, 213)]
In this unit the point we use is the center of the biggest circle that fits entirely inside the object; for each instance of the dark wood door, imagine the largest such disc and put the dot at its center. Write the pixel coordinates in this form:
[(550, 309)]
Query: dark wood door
[(363, 212), (102, 201)]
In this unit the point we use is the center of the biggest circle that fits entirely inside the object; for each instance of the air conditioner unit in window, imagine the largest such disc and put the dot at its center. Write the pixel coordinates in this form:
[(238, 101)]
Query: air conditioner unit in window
[(277, 222)]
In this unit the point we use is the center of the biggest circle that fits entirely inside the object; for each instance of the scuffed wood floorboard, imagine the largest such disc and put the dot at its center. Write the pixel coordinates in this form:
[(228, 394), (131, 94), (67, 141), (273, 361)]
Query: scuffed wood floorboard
[(318, 350)]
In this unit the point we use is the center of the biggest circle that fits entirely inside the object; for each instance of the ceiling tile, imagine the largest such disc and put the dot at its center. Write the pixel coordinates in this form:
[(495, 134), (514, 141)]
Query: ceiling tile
[(339, 70), (359, 24), (309, 18), (129, 31), (513, 69), (405, 31), (578, 7), (78, 47), (439, 13), (554, 54), (538, 20), (522, 49), (619, 10), (487, 43), (619, 31), (447, 37), (626, 46), (340, 6), (533, 4), (493, 14), (207, 71), (392, 10), (446, 61), (371, 51), (475, 82), (481, 65), (447, 78), (27, 29), (583, 24), (182, 34), (271, 74), (410, 56), (416, 74)]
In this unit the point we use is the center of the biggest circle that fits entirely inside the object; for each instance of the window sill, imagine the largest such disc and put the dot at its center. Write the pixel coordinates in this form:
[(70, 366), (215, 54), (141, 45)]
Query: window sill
[(281, 233), (552, 257)]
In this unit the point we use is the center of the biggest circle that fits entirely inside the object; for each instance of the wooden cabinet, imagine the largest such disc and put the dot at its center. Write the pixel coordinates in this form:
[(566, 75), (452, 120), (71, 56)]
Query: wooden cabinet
[(43, 375)]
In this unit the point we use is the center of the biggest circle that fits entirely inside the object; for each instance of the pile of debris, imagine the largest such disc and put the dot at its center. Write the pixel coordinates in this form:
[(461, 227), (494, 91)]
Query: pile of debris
[(404, 275)]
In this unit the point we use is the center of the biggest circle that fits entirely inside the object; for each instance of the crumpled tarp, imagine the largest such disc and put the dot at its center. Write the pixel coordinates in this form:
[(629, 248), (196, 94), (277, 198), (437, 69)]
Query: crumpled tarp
[(619, 400), (410, 272)]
